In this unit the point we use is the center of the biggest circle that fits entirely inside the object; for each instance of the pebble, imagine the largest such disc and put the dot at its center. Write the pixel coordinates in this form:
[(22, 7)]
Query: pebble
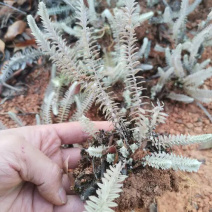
[(189, 125), (173, 115), (198, 124), (181, 129), (179, 121), (172, 131), (195, 119), (206, 121), (198, 130), (193, 108)]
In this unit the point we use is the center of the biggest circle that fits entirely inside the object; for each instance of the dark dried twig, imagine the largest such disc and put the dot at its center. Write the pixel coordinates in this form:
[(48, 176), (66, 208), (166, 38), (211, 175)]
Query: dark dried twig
[(204, 110), (14, 8)]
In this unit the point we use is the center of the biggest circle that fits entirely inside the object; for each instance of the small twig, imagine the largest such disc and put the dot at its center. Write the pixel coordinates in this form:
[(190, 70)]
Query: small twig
[(14, 8), (16, 73), (27, 114), (94, 171), (11, 87), (24, 113), (110, 140), (19, 114), (4, 114), (204, 110), (4, 100), (103, 168)]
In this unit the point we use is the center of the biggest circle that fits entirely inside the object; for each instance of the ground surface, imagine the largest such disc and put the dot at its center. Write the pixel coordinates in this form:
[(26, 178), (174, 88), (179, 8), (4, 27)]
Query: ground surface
[(195, 193)]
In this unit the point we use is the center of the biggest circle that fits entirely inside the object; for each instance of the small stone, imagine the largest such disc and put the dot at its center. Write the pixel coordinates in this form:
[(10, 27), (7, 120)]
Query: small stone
[(189, 125), (198, 130), (206, 121), (198, 124), (179, 121), (172, 131), (195, 119)]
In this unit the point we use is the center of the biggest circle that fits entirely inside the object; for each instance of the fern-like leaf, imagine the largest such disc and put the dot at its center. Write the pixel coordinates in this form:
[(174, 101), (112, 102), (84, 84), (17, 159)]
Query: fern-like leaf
[(46, 108), (170, 161), (19, 61), (197, 41), (59, 9), (66, 103), (179, 25), (84, 106), (16, 119), (180, 97), (128, 39), (173, 140), (198, 78), (88, 126), (108, 191), (96, 151), (202, 95), (157, 115), (92, 66), (177, 62), (164, 77), (59, 52)]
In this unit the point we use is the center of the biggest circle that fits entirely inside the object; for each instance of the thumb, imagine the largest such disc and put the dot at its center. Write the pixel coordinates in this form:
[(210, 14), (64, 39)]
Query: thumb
[(37, 168)]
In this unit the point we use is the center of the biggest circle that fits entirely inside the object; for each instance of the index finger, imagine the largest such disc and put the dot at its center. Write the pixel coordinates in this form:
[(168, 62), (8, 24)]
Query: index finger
[(72, 132)]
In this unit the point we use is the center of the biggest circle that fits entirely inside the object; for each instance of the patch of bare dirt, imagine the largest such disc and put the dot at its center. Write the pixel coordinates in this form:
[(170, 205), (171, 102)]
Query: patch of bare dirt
[(195, 189), (28, 104), (195, 193), (141, 188)]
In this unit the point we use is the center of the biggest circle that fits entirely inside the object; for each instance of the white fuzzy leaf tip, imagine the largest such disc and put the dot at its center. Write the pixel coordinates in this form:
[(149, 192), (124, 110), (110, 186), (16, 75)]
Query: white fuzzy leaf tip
[(96, 151), (108, 191)]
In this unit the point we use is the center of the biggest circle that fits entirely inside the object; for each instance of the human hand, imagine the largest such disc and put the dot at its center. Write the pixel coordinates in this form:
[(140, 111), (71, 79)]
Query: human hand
[(31, 164)]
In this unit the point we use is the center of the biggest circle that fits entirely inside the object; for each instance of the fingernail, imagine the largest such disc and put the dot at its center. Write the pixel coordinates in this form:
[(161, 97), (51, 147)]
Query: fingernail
[(62, 195)]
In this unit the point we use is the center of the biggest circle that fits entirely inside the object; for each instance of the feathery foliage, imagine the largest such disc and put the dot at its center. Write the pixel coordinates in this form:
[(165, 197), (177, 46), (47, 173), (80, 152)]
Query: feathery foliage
[(189, 73), (108, 190), (171, 161), (19, 61), (82, 65)]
